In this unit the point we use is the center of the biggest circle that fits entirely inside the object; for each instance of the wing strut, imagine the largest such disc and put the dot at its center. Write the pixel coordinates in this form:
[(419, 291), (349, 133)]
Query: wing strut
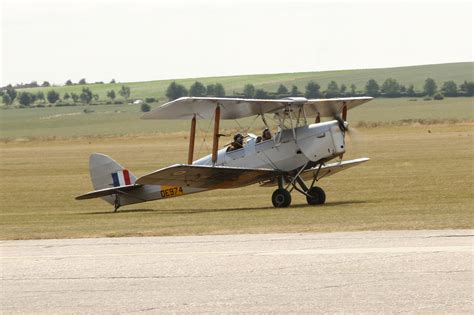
[(215, 139), (192, 137)]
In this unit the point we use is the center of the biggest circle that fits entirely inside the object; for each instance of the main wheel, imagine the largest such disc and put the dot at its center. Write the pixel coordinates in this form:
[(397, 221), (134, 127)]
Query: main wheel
[(281, 198), (318, 197)]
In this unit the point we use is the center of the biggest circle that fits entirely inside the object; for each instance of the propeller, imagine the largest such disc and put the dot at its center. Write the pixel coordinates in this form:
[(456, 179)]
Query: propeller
[(353, 134)]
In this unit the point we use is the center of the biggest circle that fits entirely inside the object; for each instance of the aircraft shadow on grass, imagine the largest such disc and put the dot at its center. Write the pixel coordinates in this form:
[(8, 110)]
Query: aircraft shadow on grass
[(197, 211)]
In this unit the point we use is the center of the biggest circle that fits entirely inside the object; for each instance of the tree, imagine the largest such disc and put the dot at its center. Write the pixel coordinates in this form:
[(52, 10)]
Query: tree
[(391, 88), (82, 81), (6, 99), (11, 92), (111, 95), (96, 97), (282, 90), (332, 90), (261, 94), (197, 89), (125, 92), (249, 91), (25, 98), (430, 87), (294, 91), (68, 82), (112, 81), (86, 95), (450, 88), (145, 107), (211, 89), (353, 89), (45, 84), (467, 88), (372, 88), (312, 90), (40, 96), (52, 96), (66, 96), (342, 89), (175, 91), (220, 91), (74, 97), (411, 90)]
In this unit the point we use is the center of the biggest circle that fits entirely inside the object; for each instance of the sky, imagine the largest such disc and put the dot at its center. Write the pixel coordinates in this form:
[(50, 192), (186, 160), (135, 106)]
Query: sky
[(140, 40)]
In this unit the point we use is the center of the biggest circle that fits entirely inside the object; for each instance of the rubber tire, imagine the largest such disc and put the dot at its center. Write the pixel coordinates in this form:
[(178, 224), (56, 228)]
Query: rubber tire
[(318, 196), (281, 198)]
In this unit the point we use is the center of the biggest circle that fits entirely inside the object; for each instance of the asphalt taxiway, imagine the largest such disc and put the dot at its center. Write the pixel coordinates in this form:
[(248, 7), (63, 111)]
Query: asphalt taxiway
[(384, 271)]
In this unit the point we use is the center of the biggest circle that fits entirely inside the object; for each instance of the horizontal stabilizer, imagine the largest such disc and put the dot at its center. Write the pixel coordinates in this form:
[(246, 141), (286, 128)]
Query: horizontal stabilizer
[(331, 169), (209, 177), (108, 191)]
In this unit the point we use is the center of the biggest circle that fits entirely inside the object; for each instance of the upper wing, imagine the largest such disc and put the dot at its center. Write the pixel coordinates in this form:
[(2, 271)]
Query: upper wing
[(204, 108), (331, 169), (331, 106), (234, 108), (107, 191), (209, 177)]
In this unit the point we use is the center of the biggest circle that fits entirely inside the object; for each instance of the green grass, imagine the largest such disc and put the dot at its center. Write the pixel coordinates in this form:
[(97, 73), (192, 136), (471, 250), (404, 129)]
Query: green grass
[(109, 120), (416, 75), (420, 177)]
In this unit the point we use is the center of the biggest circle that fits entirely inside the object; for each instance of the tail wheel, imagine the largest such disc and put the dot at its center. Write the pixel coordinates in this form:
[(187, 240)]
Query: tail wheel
[(318, 196), (281, 198)]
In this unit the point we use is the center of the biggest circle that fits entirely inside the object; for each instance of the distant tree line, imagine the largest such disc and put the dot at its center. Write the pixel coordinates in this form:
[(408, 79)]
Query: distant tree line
[(389, 88), (176, 90), (25, 98), (34, 84)]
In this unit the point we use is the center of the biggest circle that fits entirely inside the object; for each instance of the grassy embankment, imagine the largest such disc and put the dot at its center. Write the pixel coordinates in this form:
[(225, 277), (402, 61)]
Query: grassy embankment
[(416, 75)]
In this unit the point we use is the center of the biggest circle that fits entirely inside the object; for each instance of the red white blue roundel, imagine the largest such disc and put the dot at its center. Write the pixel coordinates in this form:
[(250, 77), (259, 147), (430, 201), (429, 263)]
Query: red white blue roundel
[(121, 178)]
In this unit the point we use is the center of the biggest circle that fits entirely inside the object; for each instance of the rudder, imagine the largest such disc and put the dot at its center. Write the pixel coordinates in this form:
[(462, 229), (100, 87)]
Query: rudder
[(106, 173)]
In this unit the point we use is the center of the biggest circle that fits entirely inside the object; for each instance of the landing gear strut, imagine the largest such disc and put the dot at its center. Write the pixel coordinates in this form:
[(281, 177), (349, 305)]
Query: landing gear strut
[(281, 197)]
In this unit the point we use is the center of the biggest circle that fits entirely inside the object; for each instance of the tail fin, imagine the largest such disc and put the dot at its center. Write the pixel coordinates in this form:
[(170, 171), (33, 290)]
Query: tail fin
[(106, 173)]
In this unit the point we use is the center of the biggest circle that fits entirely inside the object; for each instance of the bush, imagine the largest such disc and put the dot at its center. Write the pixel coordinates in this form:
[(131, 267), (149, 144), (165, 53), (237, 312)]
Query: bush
[(438, 96), (145, 107), (150, 99), (88, 111), (427, 99)]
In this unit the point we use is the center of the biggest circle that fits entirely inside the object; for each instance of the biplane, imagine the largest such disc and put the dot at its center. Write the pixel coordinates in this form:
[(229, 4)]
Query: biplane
[(295, 157)]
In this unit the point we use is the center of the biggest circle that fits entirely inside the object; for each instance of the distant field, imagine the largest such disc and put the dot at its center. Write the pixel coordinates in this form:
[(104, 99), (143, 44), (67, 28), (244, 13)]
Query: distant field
[(420, 177), (109, 120), (416, 75)]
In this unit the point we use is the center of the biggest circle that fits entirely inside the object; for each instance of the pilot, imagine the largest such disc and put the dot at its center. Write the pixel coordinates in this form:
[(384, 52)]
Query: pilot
[(237, 144), (266, 135)]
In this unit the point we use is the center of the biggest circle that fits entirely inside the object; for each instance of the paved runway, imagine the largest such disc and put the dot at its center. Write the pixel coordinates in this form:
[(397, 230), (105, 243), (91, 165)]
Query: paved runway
[(395, 271)]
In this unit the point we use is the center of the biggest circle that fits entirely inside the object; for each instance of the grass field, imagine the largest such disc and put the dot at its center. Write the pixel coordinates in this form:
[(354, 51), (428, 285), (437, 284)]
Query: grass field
[(420, 177), (416, 75)]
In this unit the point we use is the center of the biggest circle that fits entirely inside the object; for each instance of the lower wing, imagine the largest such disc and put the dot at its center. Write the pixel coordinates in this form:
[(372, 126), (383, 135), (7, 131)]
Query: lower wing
[(330, 169), (208, 177)]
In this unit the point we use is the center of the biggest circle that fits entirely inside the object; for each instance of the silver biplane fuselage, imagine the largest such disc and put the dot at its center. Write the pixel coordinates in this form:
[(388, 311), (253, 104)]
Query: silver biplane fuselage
[(288, 150)]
